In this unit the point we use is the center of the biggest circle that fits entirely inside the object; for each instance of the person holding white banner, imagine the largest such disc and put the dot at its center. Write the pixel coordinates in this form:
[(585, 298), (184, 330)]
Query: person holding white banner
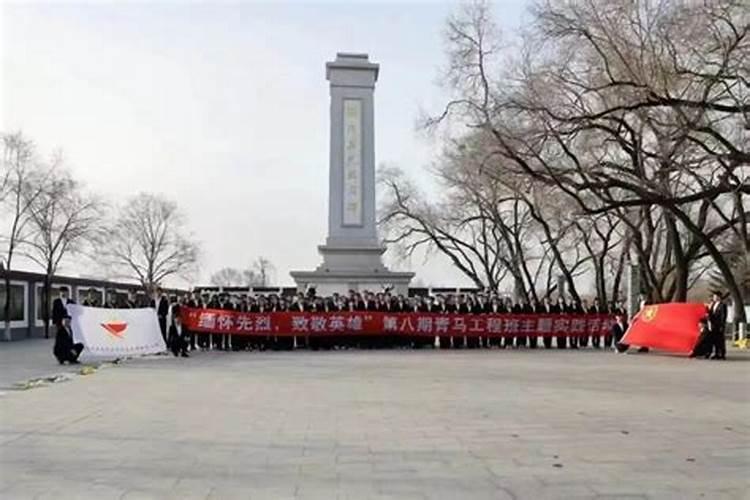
[(177, 341), (65, 349), (116, 333)]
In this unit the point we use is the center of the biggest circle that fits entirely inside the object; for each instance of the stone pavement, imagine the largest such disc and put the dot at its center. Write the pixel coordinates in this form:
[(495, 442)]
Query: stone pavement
[(27, 359), (384, 424)]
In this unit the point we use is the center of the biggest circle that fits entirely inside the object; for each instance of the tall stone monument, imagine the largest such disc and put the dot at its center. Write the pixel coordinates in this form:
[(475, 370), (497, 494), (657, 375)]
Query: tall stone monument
[(352, 253)]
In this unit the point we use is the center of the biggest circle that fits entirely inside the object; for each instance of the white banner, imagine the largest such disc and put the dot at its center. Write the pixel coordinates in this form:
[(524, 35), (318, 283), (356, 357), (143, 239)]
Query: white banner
[(116, 333)]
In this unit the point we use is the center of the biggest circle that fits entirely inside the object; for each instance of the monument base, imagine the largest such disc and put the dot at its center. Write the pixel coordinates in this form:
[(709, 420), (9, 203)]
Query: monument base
[(327, 282), (352, 267)]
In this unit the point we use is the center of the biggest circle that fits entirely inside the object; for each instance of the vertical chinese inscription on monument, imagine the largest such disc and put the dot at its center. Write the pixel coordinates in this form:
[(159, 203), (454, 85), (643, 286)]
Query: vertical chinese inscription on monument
[(352, 162)]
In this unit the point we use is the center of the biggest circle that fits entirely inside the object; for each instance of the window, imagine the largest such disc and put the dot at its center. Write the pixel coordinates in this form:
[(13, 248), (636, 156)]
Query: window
[(120, 297), (93, 294), (17, 302), (53, 294)]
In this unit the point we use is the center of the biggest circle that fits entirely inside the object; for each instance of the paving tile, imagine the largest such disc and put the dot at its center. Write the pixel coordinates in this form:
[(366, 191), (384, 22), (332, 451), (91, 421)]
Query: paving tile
[(379, 424)]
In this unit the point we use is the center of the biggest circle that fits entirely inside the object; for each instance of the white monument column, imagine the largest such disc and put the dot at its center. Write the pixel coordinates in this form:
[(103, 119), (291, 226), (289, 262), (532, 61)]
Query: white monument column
[(352, 251)]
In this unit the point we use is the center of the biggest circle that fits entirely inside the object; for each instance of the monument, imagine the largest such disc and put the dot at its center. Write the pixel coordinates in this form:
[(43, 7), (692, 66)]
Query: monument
[(352, 253)]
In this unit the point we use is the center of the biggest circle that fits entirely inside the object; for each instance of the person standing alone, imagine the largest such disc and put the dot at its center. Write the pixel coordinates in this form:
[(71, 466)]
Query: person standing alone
[(717, 320)]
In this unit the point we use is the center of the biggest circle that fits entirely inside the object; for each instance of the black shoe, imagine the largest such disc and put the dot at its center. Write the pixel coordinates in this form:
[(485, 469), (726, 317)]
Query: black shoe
[(185, 355)]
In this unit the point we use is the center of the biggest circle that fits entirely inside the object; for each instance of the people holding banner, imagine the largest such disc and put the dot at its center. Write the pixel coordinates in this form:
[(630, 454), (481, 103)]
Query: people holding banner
[(65, 349), (162, 311), (705, 343), (177, 341), (617, 331), (561, 308), (58, 307)]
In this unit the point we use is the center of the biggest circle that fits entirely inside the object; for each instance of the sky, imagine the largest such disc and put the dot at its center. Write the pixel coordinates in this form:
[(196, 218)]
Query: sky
[(223, 108)]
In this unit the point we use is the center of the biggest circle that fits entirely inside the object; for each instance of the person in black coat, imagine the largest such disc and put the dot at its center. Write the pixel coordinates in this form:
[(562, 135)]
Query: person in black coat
[(575, 340), (65, 349), (705, 342), (596, 338), (534, 308), (226, 340), (561, 308), (443, 307), (162, 311), (494, 307), (177, 341), (298, 306), (617, 331), (547, 308), (521, 308), (717, 321), (59, 311)]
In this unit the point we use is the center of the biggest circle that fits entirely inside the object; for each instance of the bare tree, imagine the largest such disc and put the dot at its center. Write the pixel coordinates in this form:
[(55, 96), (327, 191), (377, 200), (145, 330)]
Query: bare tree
[(63, 220), (25, 181), (229, 276), (634, 109), (259, 274), (149, 242), (263, 270)]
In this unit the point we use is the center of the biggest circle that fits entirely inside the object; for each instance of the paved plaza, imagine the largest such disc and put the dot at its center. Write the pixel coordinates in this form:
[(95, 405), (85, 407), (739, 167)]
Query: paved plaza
[(380, 424)]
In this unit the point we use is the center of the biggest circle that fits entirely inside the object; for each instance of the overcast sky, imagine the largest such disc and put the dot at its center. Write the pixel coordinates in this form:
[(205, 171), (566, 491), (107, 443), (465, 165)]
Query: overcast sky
[(223, 108)]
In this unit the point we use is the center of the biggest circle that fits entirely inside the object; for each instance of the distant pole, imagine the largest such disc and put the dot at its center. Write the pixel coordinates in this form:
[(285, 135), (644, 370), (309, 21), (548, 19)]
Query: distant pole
[(634, 289), (561, 286)]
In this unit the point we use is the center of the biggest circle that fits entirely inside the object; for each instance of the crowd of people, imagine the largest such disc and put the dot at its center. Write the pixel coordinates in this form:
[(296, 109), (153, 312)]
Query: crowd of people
[(462, 303), (180, 341)]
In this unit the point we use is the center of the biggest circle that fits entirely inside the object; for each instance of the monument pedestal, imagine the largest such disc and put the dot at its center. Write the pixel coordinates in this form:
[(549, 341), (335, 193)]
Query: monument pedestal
[(352, 255), (356, 268)]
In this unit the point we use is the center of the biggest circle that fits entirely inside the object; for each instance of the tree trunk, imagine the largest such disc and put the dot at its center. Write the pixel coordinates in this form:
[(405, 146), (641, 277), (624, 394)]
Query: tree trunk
[(681, 269), (45, 303), (6, 306)]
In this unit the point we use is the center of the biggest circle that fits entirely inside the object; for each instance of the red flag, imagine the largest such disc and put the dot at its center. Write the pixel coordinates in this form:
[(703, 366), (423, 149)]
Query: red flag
[(670, 327)]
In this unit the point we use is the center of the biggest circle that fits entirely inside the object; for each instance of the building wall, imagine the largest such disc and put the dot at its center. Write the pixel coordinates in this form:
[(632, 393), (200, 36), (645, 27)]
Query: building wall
[(32, 326)]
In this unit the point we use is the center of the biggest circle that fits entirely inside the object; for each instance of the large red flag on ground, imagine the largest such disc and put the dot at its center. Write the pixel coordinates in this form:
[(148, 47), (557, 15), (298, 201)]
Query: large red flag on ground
[(670, 327)]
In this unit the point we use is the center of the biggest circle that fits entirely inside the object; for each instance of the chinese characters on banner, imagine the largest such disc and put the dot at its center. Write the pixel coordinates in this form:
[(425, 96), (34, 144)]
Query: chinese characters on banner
[(352, 184), (412, 324)]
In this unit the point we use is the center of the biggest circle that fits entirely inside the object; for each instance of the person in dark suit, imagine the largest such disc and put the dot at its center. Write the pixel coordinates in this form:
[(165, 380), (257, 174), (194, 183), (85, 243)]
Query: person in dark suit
[(575, 340), (705, 344), (162, 311), (472, 341), (194, 302), (225, 340), (58, 307), (177, 341), (617, 331), (482, 306), (561, 308), (522, 307), (534, 308), (428, 305), (596, 339), (495, 307), (216, 339), (65, 349), (717, 321), (443, 307), (510, 308), (547, 308), (300, 305)]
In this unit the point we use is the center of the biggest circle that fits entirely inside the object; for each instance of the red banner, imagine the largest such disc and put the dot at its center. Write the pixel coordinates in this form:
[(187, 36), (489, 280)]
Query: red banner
[(387, 323), (672, 327)]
